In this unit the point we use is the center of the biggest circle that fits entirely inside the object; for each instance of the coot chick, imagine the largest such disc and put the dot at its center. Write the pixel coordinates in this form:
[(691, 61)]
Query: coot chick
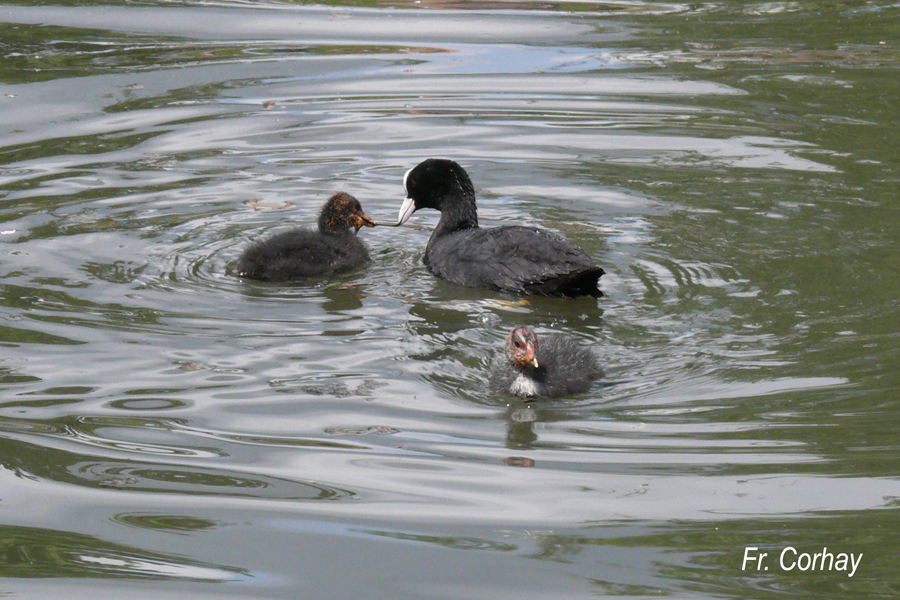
[(511, 258), (302, 253), (561, 367)]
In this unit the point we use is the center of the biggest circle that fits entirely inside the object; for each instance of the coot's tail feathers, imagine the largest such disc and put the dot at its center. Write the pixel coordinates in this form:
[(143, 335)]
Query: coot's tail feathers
[(583, 283)]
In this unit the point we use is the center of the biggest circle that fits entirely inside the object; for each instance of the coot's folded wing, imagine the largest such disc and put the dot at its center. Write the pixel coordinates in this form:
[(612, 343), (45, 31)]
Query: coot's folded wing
[(516, 259)]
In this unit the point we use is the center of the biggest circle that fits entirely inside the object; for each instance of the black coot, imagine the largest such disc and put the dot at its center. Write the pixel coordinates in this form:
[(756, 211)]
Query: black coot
[(302, 253), (558, 367), (512, 258)]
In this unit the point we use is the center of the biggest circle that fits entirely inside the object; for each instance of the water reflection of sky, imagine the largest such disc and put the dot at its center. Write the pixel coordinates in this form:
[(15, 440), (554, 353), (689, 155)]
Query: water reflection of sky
[(513, 58)]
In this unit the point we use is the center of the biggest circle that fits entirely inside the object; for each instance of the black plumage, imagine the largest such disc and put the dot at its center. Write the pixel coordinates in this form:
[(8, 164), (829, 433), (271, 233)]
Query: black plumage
[(303, 253), (558, 366), (512, 258)]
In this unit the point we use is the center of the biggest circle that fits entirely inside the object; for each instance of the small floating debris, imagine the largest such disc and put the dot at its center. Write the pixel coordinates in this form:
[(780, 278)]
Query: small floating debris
[(267, 204), (118, 482), (187, 365), (338, 390), (374, 430)]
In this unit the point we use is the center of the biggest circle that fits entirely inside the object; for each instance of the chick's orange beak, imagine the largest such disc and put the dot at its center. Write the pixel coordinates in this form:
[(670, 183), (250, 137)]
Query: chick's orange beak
[(527, 355), (360, 220), (531, 355)]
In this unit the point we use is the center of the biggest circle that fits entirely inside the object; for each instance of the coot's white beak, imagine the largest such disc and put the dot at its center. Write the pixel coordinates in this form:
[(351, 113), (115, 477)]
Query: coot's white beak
[(406, 211)]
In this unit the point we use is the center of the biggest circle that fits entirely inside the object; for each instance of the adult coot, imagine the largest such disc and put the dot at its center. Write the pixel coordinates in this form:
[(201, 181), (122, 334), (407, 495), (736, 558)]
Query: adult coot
[(560, 367), (302, 253), (512, 258)]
